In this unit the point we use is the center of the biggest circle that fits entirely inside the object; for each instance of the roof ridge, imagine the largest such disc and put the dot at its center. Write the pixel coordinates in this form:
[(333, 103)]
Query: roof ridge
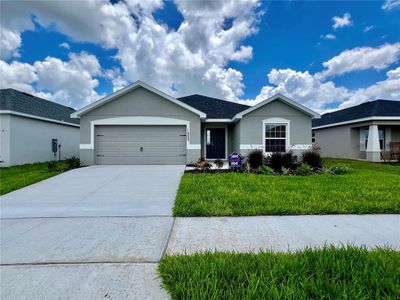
[(213, 98)]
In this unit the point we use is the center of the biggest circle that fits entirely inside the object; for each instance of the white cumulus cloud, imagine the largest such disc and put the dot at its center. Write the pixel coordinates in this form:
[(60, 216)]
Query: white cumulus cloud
[(362, 58), (340, 22), (69, 82)]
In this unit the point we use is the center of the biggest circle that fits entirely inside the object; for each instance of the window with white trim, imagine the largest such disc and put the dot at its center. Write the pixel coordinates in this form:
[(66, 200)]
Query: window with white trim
[(275, 137)]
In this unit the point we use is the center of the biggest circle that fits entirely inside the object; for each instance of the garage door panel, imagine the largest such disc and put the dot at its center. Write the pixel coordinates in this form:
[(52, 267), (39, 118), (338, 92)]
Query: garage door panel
[(141, 144)]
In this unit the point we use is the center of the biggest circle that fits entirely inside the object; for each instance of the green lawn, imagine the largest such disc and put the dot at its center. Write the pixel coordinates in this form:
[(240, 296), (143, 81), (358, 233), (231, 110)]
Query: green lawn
[(371, 188), (16, 177), (329, 273)]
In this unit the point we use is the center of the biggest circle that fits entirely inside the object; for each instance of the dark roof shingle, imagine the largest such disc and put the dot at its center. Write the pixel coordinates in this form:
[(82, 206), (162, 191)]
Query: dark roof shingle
[(17, 101), (213, 107), (377, 108)]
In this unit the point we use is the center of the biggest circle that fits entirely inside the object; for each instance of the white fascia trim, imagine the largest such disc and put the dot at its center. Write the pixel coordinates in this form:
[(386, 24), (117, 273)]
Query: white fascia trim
[(218, 120), (129, 88), (283, 98), (250, 146), (11, 112), (139, 121), (358, 121), (276, 121)]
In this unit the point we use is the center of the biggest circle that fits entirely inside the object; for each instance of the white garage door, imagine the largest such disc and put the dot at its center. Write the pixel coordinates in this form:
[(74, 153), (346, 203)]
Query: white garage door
[(136, 145)]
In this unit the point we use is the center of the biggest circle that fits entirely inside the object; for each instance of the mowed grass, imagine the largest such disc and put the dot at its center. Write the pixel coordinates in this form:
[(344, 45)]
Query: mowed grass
[(371, 188), (16, 177), (328, 273)]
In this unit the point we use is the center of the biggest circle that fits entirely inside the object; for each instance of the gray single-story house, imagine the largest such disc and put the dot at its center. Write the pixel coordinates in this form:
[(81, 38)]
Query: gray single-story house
[(142, 125), (364, 131), (27, 126)]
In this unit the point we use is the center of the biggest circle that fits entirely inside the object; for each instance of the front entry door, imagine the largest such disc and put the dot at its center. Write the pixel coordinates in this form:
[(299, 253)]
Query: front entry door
[(215, 141)]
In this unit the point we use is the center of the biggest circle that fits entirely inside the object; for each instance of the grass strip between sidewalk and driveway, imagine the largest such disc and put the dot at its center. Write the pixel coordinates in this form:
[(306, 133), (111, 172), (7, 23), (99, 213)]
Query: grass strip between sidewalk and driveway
[(370, 188), (16, 177), (328, 273)]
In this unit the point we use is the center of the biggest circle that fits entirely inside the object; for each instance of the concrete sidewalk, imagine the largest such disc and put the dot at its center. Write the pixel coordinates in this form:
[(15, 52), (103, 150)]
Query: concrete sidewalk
[(282, 233)]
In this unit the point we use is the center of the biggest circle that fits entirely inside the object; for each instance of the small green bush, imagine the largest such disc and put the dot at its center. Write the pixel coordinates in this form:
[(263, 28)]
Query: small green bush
[(219, 163), (304, 170), (52, 166), (265, 170), (340, 170), (255, 158), (73, 162)]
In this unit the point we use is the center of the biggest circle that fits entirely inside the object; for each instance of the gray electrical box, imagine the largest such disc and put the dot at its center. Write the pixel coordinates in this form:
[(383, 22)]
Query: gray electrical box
[(54, 145)]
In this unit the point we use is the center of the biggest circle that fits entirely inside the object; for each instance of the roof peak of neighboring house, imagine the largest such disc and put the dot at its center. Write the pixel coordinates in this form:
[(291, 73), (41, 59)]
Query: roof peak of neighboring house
[(364, 111), (24, 104)]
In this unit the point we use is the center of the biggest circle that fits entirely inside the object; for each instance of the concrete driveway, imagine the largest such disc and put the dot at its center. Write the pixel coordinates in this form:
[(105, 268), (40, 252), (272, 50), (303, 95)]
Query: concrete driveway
[(90, 233)]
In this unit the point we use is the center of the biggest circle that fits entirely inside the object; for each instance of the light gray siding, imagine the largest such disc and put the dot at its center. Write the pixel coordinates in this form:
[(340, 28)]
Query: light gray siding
[(5, 135), (236, 137), (30, 140), (140, 102), (141, 145), (251, 125), (337, 141)]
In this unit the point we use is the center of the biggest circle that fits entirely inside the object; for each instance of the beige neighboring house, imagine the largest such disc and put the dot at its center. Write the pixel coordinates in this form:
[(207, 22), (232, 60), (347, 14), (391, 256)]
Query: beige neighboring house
[(365, 131)]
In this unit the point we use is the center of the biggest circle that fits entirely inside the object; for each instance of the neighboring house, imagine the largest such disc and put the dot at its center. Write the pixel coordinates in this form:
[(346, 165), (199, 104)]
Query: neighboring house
[(359, 132), (27, 126), (142, 125)]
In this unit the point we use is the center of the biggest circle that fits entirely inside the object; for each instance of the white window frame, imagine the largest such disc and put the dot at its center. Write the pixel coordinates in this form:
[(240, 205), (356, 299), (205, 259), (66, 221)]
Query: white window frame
[(276, 121)]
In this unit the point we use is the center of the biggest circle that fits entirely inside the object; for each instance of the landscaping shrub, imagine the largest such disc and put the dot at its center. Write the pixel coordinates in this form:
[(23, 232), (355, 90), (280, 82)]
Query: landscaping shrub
[(255, 158), (52, 166), (73, 162), (278, 160), (265, 170), (304, 170), (312, 158), (219, 163), (340, 170)]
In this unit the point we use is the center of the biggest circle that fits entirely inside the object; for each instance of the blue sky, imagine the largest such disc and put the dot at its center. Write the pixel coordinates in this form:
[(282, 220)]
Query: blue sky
[(236, 50)]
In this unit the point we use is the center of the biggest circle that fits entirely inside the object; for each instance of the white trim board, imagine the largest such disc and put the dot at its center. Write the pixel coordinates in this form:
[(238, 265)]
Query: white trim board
[(132, 87), (358, 121), (282, 98), (15, 113), (139, 121)]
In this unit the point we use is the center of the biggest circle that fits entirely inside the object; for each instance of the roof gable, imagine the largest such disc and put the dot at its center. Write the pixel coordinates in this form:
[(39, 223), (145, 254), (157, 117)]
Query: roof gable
[(377, 108), (26, 104), (282, 98), (130, 88)]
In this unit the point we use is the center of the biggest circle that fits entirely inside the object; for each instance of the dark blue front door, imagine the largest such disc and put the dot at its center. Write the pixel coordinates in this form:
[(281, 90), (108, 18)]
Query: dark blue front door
[(215, 141)]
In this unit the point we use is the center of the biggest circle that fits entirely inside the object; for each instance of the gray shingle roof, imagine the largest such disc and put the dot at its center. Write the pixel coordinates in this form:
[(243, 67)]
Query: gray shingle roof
[(377, 108), (213, 107), (17, 101)]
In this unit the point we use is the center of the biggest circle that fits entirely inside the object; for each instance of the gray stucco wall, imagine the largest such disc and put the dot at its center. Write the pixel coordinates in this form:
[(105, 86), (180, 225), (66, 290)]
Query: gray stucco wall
[(251, 125), (30, 140), (236, 137), (335, 141), (140, 102), (4, 140)]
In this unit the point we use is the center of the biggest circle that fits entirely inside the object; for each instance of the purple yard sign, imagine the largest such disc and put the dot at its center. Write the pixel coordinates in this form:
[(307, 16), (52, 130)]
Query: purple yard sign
[(235, 160)]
